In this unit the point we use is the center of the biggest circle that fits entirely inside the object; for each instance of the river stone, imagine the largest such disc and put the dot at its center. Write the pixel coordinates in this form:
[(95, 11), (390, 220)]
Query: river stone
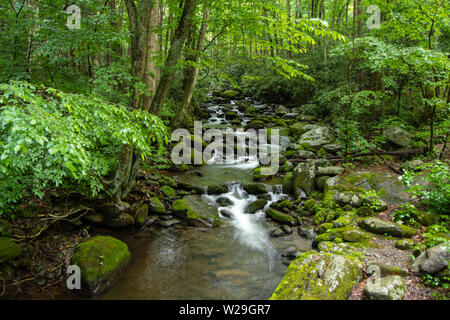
[(256, 206), (387, 288), (114, 210), (169, 223), (397, 136), (216, 189), (122, 221), (141, 214), (9, 250), (304, 178), (287, 183), (224, 202), (231, 94), (307, 232), (195, 212), (101, 260), (280, 217), (319, 276), (316, 138), (405, 244), (93, 217), (156, 206), (169, 192), (433, 260), (383, 227), (329, 171), (255, 188), (276, 233)]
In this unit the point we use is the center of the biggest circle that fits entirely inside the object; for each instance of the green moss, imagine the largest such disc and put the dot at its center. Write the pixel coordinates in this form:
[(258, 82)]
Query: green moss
[(365, 212), (309, 204), (287, 183), (156, 206), (141, 214), (5, 228), (318, 276), (168, 191), (279, 216), (324, 227), (9, 250), (100, 259), (217, 189), (407, 231)]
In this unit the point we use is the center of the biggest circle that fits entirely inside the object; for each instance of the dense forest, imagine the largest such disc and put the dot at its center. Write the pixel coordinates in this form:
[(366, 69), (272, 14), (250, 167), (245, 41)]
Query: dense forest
[(351, 96)]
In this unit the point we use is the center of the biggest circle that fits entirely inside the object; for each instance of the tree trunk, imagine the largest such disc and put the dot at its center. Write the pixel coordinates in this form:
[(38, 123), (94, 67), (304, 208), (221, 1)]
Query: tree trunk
[(169, 70), (192, 71)]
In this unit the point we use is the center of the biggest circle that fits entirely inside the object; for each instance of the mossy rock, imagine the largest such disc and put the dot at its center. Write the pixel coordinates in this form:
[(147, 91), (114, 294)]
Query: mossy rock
[(191, 209), (122, 221), (156, 206), (141, 214), (9, 250), (287, 183), (342, 222), (5, 227), (389, 228), (262, 173), (216, 189), (339, 248), (309, 204), (102, 261), (364, 212), (231, 94), (255, 124), (255, 188), (405, 244), (425, 218), (319, 276), (168, 191), (280, 217), (355, 236), (256, 205), (324, 227), (386, 270)]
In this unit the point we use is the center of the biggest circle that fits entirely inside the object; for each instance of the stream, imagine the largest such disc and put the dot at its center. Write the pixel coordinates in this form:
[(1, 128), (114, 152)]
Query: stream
[(236, 260)]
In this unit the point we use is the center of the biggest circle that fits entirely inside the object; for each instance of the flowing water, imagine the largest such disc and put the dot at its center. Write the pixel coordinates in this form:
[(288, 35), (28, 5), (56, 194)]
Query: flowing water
[(237, 260)]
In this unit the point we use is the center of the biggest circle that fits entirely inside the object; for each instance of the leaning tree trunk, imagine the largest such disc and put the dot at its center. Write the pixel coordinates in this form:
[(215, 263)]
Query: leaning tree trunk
[(169, 69), (191, 74)]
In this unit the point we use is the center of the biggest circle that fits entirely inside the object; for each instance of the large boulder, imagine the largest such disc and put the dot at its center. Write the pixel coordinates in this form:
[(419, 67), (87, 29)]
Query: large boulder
[(319, 276), (9, 250), (397, 136), (387, 288), (195, 212), (383, 227), (304, 178), (317, 137), (101, 261), (433, 261)]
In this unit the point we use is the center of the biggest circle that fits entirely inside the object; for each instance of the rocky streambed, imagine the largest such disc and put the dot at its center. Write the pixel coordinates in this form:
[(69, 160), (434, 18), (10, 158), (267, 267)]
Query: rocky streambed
[(313, 230)]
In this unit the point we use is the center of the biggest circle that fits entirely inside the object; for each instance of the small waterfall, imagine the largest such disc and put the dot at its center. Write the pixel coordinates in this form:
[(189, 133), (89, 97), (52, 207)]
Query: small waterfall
[(248, 227)]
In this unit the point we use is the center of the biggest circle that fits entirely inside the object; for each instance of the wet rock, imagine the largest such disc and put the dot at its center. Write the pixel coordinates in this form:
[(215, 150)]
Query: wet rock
[(191, 187), (318, 276), (9, 250), (287, 183), (286, 229), (192, 210), (280, 217), (93, 217), (122, 221), (114, 210), (156, 206), (387, 288), (224, 202), (433, 260), (255, 188), (256, 206), (169, 223), (307, 232), (102, 261), (217, 189), (226, 213), (291, 253), (169, 192), (304, 155), (276, 233)]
